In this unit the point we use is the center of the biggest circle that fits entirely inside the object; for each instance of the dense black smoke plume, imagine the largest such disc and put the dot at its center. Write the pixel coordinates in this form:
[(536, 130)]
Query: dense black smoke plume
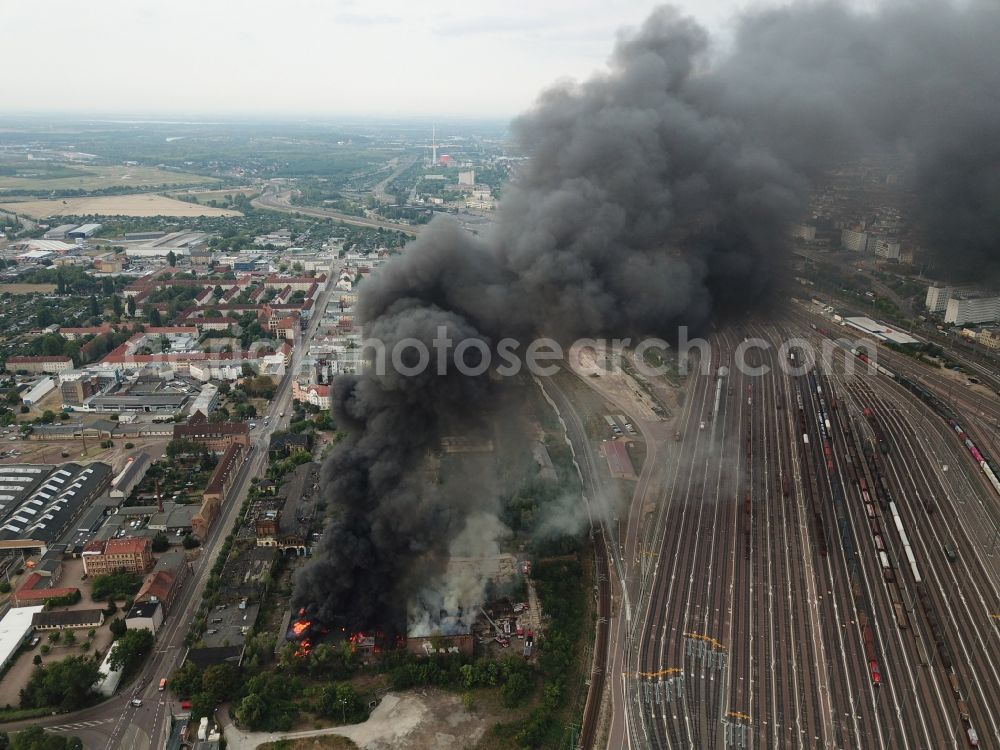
[(657, 194)]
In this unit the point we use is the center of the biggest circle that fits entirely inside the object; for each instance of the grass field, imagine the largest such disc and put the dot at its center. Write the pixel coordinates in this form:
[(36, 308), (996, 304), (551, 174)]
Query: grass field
[(96, 178), (204, 196), (143, 204), (27, 288)]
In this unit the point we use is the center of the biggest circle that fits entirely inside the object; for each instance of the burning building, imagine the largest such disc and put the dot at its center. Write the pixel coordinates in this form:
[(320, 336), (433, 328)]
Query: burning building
[(448, 633), (304, 633)]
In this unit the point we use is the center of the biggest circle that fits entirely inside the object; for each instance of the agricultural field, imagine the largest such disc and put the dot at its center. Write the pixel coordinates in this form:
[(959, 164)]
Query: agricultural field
[(51, 176), (142, 204)]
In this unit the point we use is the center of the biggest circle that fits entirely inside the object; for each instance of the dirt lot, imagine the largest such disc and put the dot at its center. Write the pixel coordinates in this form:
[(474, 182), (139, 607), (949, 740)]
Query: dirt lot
[(50, 451), (27, 288), (145, 204), (415, 720), (325, 742)]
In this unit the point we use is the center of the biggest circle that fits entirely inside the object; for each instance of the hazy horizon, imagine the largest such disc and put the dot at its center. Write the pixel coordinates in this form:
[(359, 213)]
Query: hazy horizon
[(310, 60)]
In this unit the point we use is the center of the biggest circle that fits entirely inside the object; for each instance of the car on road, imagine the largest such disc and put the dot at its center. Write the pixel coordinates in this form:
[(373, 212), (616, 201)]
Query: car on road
[(136, 702)]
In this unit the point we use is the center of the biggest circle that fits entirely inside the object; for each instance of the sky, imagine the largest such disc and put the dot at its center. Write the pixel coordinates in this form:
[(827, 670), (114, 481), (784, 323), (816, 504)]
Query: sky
[(309, 57)]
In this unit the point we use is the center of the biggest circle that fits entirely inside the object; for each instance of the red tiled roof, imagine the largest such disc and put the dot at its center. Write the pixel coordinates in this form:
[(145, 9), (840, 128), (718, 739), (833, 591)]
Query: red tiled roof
[(31, 591), (130, 545)]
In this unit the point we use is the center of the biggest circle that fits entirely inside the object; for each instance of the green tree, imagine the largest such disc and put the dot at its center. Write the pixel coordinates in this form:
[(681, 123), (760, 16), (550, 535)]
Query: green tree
[(65, 685), (60, 282), (154, 317), (130, 307), (340, 702), (186, 680), (220, 682), (172, 258), (116, 305), (189, 542), (117, 585), (130, 648), (94, 306), (36, 738), (117, 627), (160, 542)]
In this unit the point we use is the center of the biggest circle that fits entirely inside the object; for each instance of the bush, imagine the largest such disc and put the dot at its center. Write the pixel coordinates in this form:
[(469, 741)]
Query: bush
[(190, 542), (129, 446), (4, 587)]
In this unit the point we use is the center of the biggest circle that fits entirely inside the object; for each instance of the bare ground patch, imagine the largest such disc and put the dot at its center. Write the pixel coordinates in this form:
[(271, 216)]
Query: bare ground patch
[(141, 204)]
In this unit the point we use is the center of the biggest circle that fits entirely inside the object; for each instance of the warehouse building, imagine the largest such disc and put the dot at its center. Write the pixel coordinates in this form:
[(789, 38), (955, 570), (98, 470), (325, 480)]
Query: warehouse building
[(83, 232), (38, 391), (130, 477), (54, 504), (59, 232), (15, 627)]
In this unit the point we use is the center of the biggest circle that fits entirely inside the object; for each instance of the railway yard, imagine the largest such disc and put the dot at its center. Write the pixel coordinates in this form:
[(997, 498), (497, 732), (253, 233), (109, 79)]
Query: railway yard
[(818, 564)]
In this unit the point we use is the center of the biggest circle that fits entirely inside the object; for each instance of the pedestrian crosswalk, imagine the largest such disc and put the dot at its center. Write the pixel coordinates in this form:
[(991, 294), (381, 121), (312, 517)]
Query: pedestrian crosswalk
[(79, 725)]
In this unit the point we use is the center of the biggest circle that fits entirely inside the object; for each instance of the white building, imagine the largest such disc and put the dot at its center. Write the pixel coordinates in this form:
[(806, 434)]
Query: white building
[(803, 232), (145, 616), (884, 247), (207, 400), (962, 310), (40, 390), (110, 678), (856, 242), (937, 298), (467, 178)]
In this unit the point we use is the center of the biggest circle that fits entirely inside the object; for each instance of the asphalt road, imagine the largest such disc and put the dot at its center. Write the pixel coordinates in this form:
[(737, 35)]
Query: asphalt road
[(275, 202)]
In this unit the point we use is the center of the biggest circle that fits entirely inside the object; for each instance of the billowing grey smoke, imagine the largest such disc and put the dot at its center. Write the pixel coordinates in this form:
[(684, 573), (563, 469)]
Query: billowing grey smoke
[(657, 194)]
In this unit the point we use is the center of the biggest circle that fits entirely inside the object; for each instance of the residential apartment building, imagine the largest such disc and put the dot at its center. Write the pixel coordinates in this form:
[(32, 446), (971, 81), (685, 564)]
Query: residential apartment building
[(963, 310), (39, 364), (132, 554)]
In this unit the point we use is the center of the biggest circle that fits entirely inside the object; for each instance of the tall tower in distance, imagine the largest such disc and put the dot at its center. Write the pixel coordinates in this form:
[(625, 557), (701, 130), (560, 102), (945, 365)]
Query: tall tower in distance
[(434, 146)]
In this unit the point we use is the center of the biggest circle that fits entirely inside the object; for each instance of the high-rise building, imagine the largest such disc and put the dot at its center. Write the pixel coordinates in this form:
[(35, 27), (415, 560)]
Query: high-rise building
[(853, 240), (884, 247), (968, 309)]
